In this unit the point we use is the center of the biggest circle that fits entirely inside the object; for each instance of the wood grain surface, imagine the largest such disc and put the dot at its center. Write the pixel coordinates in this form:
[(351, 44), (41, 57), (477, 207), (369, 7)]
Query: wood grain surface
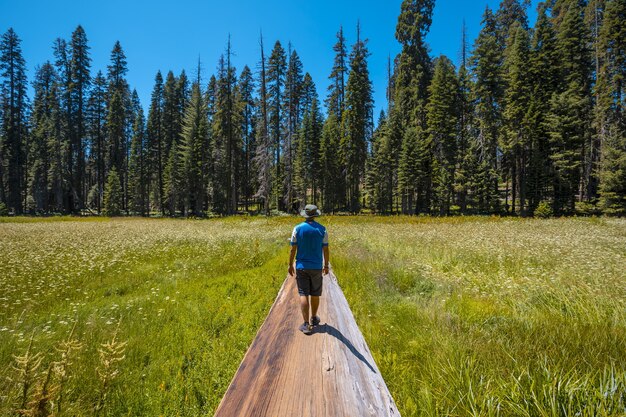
[(329, 373)]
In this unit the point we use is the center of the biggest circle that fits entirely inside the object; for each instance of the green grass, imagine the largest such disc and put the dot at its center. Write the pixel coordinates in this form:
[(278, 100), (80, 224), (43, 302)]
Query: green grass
[(491, 316), (188, 298), (464, 316)]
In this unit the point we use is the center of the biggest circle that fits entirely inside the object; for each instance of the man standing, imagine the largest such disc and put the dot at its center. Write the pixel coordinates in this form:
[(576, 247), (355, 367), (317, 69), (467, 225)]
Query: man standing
[(310, 241)]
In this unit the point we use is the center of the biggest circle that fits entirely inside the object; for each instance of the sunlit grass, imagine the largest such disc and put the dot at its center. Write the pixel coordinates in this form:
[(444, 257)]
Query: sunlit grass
[(464, 316), (484, 317), (188, 297)]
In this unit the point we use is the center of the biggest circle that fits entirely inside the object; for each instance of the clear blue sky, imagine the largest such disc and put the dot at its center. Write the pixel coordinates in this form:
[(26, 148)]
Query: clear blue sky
[(164, 35)]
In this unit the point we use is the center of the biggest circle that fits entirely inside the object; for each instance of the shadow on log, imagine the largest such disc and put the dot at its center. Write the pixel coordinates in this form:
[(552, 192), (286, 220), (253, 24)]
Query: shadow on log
[(329, 373)]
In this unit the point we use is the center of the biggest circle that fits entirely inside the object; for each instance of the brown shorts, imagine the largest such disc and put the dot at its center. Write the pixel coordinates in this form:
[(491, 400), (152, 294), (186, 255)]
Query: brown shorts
[(309, 282)]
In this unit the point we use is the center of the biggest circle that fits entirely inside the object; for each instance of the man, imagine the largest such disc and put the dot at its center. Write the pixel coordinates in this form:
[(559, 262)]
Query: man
[(309, 241)]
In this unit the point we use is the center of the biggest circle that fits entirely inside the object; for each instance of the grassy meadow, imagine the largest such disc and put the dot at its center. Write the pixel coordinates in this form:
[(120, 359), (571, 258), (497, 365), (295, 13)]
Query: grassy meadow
[(464, 316)]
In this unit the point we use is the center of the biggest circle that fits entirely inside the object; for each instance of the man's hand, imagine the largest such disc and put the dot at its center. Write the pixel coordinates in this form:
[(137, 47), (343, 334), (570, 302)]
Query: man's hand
[(291, 270), (325, 270)]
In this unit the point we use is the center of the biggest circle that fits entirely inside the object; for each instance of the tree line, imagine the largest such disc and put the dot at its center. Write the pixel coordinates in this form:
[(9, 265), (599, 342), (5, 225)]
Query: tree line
[(531, 122)]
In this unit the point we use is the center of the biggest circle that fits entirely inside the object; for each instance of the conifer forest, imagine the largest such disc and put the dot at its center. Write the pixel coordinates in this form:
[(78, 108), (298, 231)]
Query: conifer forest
[(530, 122)]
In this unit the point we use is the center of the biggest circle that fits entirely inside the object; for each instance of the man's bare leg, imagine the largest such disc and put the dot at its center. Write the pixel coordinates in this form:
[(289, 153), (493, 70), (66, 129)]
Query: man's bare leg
[(304, 306), (315, 303)]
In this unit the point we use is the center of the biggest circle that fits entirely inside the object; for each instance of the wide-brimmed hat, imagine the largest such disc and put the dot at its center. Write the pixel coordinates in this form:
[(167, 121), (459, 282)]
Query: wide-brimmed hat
[(310, 211)]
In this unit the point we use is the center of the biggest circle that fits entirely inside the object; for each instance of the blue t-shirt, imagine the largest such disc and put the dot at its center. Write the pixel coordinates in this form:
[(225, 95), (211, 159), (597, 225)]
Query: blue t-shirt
[(310, 237)]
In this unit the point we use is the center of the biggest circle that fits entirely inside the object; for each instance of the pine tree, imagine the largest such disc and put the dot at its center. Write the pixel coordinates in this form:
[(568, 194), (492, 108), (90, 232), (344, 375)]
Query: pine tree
[(43, 131), (96, 130), (414, 170), (388, 163), (569, 119), (156, 142), (413, 71), (211, 93), (263, 155), (247, 105), (516, 137), (558, 10), (357, 124), (308, 94), (80, 81), (443, 123), (165, 130), (336, 90), (509, 13), (594, 18), (184, 94), (611, 104), (170, 115), (137, 178), (174, 180), (488, 96), (119, 117), (613, 174), (309, 105), (467, 173), (173, 97), (56, 149), (64, 73), (226, 134), (301, 163), (276, 72), (314, 141), (14, 122), (378, 179), (184, 98), (116, 122), (332, 180), (113, 194), (566, 148), (467, 157), (307, 163), (117, 68), (218, 165), (292, 102), (211, 103), (195, 137), (544, 71)]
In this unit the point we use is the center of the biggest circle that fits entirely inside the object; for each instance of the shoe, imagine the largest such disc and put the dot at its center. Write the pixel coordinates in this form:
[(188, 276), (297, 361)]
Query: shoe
[(306, 328), (315, 321)]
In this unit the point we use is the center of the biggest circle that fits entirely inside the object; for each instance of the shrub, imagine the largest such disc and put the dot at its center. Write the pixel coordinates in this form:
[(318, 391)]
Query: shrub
[(4, 211), (544, 210), (584, 208)]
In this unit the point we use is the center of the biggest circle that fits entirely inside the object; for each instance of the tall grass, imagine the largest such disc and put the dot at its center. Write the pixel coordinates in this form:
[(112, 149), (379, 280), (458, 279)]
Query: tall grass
[(188, 298), (492, 317), (464, 316)]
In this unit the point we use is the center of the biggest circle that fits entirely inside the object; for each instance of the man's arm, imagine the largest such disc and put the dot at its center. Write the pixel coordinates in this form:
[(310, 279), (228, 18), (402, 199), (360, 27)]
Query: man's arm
[(294, 248), (326, 253), (292, 255)]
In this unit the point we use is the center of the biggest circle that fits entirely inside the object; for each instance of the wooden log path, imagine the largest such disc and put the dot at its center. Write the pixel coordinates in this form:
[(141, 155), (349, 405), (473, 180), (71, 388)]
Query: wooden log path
[(330, 373)]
